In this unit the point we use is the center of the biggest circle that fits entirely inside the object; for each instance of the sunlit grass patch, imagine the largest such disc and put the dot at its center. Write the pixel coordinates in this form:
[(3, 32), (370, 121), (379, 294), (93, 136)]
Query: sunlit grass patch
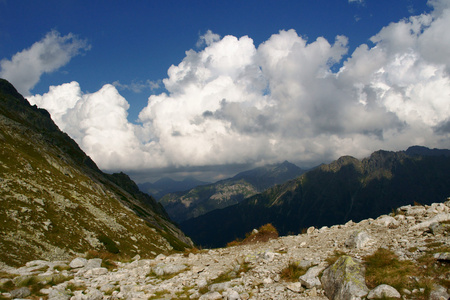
[(292, 272), (384, 267)]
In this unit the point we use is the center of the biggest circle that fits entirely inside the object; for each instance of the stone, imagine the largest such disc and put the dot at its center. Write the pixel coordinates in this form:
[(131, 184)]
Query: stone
[(310, 230), (94, 294), (78, 262), (442, 217), (231, 294), (345, 280), (445, 256), (439, 228), (211, 296), (58, 295), (296, 287), (310, 279), (383, 291), (95, 272), (93, 263), (387, 221), (201, 282), (358, 239), (20, 292), (438, 292)]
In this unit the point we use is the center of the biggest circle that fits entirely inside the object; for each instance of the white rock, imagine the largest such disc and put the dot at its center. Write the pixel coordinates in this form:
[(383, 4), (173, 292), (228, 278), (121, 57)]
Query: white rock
[(296, 287), (94, 294), (211, 296), (231, 294), (310, 278), (358, 239), (442, 217), (78, 262), (201, 282), (383, 291), (386, 221)]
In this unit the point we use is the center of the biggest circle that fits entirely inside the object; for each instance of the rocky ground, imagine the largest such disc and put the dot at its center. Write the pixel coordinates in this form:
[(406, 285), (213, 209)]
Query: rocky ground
[(255, 271)]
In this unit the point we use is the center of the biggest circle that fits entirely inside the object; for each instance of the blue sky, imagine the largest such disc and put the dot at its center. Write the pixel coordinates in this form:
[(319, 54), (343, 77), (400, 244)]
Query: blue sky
[(136, 41), (226, 104)]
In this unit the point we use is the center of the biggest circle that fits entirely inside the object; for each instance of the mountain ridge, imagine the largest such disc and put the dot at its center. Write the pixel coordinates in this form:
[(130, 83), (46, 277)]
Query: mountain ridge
[(346, 189), (56, 202), (166, 185), (184, 205)]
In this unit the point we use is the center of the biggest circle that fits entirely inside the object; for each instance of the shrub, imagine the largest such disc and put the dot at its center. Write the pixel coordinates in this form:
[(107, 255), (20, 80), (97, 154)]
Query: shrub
[(109, 244), (263, 234), (292, 272)]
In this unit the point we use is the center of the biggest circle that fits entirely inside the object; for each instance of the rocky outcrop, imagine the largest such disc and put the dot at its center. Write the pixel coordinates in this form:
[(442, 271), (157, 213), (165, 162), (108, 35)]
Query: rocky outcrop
[(345, 280), (255, 271)]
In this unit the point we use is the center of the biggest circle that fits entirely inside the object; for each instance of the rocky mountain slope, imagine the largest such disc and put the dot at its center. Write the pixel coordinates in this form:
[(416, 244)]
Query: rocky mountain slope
[(404, 255), (200, 200), (55, 202), (346, 189), (164, 186)]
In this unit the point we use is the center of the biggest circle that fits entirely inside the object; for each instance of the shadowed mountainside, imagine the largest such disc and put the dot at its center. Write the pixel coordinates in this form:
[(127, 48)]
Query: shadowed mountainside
[(200, 200), (346, 189)]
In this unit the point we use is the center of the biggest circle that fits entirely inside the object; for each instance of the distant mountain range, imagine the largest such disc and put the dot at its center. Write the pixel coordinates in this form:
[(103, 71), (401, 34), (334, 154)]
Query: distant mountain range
[(55, 202), (166, 185), (346, 189), (195, 202)]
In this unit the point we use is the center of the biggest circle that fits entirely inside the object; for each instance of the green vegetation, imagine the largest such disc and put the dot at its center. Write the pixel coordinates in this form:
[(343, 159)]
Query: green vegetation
[(334, 257), (292, 272), (384, 267), (159, 294), (109, 244)]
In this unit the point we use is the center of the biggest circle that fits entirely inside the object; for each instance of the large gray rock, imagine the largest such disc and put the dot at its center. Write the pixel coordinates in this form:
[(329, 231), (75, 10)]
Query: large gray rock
[(383, 291), (345, 280)]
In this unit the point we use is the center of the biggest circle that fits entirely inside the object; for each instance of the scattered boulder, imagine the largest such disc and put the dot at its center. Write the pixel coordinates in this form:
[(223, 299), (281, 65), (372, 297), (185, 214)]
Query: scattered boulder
[(78, 262), (383, 291), (358, 239), (311, 279), (211, 296), (296, 287), (387, 221), (345, 279), (20, 292)]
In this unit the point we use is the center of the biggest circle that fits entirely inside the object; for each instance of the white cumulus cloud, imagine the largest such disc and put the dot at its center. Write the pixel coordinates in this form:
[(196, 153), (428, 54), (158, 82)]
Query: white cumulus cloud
[(232, 102), (25, 68)]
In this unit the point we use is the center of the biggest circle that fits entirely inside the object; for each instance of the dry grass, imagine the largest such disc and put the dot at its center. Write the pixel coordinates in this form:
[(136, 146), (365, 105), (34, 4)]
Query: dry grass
[(384, 267), (265, 233), (292, 272), (333, 258)]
